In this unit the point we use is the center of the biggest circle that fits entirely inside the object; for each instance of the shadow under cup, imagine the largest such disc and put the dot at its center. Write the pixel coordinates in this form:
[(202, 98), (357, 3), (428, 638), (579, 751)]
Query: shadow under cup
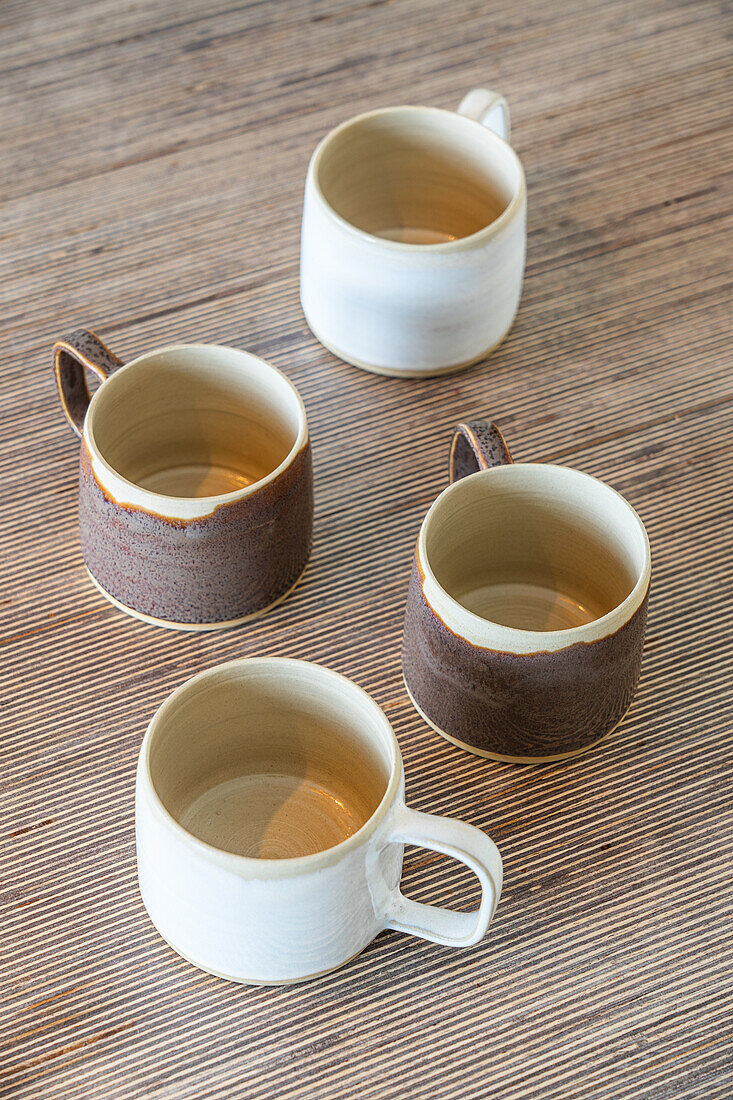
[(526, 612), (266, 766), (416, 175)]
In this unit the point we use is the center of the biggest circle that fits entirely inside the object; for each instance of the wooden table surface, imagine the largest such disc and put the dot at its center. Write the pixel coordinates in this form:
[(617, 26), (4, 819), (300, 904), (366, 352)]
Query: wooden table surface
[(152, 165)]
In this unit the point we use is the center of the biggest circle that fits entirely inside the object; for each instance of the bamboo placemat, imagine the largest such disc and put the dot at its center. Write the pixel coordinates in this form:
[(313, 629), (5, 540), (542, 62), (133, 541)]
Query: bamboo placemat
[(152, 165)]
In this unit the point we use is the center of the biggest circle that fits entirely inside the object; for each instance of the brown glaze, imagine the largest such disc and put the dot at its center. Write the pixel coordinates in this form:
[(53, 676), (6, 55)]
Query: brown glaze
[(232, 563), (519, 705), (73, 355), (523, 706), (223, 567), (476, 445)]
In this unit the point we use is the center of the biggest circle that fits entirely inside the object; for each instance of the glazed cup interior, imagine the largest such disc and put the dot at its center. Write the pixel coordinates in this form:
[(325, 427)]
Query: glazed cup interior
[(535, 548), (417, 175), (195, 421), (270, 758)]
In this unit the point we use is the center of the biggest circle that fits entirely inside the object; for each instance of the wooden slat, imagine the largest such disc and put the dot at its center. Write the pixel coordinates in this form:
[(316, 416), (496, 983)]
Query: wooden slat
[(151, 171)]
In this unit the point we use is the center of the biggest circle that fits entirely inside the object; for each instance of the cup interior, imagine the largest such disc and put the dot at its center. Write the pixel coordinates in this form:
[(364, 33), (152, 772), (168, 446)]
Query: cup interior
[(535, 547), (270, 758), (195, 421), (417, 175)]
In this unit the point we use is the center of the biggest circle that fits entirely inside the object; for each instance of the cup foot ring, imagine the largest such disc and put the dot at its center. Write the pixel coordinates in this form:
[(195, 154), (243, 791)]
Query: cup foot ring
[(190, 627), (510, 759), (390, 372), (258, 981)]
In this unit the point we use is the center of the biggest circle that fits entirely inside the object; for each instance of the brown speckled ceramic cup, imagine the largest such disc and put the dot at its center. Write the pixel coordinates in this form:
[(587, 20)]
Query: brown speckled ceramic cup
[(196, 488), (527, 605)]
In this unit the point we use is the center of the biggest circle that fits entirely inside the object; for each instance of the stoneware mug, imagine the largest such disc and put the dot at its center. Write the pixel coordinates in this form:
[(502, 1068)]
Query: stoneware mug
[(196, 491), (527, 605), (414, 237), (271, 822)]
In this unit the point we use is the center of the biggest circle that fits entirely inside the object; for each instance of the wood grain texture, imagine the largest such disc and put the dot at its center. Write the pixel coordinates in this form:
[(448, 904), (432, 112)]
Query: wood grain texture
[(151, 171)]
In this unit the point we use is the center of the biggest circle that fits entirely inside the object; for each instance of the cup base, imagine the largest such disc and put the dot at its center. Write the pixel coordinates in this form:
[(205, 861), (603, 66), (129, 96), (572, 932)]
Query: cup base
[(391, 372), (511, 759), (190, 627), (259, 981)]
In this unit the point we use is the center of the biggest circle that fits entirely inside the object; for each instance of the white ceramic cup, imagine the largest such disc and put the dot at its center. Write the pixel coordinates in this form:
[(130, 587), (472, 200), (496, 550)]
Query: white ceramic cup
[(414, 237), (281, 920)]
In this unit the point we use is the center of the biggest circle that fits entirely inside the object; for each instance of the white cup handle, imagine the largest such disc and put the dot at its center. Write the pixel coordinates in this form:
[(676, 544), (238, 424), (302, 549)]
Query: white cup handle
[(459, 841), (488, 108)]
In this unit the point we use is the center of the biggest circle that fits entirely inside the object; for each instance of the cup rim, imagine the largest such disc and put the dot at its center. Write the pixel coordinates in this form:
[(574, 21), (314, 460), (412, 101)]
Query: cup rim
[(460, 243), (155, 502), (517, 639), (252, 867)]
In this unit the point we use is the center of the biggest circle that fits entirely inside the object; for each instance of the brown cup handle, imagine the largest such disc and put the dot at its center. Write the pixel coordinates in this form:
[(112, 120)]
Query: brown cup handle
[(476, 445), (72, 356)]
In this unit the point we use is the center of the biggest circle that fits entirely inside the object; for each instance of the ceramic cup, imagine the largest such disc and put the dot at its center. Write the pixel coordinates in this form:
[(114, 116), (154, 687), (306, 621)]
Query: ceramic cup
[(414, 237), (527, 605), (196, 495), (271, 823)]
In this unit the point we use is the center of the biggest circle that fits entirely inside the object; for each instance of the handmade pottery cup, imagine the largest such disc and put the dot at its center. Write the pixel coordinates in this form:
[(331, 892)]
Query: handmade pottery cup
[(527, 605), (196, 489), (414, 237), (271, 824)]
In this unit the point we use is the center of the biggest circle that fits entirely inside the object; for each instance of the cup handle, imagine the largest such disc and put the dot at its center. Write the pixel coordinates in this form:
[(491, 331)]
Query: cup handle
[(72, 356), (488, 108), (476, 445), (459, 841)]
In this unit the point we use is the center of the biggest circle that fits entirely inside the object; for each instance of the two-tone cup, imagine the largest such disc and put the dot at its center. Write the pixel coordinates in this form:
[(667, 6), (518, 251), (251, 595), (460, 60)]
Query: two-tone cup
[(196, 486), (526, 610)]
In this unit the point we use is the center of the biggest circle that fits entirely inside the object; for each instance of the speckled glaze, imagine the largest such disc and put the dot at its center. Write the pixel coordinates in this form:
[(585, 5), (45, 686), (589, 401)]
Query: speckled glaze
[(476, 446), (511, 694), (75, 354), (518, 705), (188, 563), (231, 564)]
